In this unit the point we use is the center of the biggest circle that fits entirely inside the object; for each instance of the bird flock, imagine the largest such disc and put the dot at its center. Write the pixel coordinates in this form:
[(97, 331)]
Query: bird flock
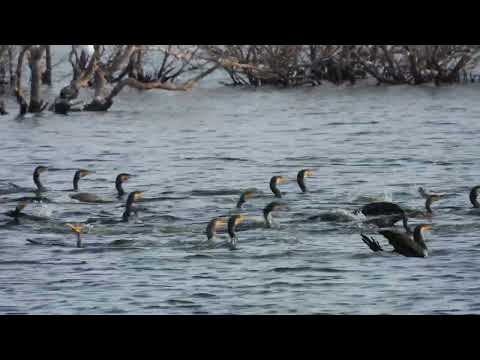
[(384, 215)]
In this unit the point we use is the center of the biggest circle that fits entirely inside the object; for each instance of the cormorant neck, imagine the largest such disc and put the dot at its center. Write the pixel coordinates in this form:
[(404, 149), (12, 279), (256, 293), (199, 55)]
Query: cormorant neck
[(301, 183), (405, 224), (118, 185), (417, 235), (428, 204), (275, 190), (473, 198), (240, 202), (268, 218), (211, 231), (36, 180), (128, 208), (76, 179), (126, 214), (79, 240)]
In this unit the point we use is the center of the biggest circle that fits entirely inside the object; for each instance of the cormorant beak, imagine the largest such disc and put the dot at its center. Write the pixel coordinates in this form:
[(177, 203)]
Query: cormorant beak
[(426, 228), (84, 173), (280, 180), (139, 195), (75, 228), (308, 173)]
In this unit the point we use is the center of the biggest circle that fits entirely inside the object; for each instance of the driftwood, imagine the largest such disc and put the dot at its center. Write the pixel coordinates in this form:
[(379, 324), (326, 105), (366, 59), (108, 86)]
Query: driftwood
[(104, 103)]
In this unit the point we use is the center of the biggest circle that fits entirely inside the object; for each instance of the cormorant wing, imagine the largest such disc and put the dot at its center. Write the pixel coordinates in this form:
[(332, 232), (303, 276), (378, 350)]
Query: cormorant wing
[(402, 243), (381, 208), (372, 243)]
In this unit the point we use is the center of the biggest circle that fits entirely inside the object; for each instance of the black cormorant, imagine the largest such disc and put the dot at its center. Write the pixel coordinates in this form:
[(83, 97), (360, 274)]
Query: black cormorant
[(402, 242), (233, 221), (267, 212), (132, 197), (92, 198), (274, 182), (243, 198), (473, 197), (36, 178), (385, 214), (212, 227), (77, 229), (301, 178)]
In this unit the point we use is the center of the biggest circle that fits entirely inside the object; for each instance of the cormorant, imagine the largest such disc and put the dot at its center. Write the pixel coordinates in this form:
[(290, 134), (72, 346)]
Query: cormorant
[(36, 178), (385, 214), (15, 214), (267, 211), (233, 221), (121, 178), (473, 197), (132, 197), (430, 199), (78, 175), (402, 242), (301, 178), (212, 227), (243, 198), (77, 229), (92, 198), (274, 181)]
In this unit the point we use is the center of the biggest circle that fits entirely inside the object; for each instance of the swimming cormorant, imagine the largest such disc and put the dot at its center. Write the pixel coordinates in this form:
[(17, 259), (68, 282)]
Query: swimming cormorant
[(267, 211), (77, 229), (92, 198), (78, 175), (36, 178), (473, 197), (212, 227), (243, 198), (121, 178), (274, 181), (132, 197), (385, 214), (402, 242), (233, 221), (301, 178), (15, 214)]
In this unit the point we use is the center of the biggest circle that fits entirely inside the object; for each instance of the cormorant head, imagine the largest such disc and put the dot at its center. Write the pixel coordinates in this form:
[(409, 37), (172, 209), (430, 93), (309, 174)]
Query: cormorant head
[(40, 169), (277, 180), (122, 178), (135, 196), (244, 197), (274, 181), (305, 173), (75, 228), (422, 228), (213, 226), (82, 173), (301, 178), (275, 205)]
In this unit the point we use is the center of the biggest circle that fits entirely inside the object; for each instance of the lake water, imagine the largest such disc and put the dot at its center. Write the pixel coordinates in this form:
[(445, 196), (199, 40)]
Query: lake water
[(193, 153)]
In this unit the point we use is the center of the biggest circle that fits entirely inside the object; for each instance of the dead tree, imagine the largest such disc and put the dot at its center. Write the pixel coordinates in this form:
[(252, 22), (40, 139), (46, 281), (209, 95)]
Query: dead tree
[(47, 74), (35, 54)]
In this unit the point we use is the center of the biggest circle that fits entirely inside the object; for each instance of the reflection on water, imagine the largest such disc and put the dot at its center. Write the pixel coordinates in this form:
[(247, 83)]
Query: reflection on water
[(194, 153)]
